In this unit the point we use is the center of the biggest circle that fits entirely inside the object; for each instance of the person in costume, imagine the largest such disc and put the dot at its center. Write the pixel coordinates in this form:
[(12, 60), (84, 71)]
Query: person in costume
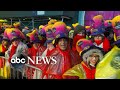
[(1, 29), (99, 39), (36, 50), (26, 30), (43, 34), (49, 42), (91, 55), (79, 33), (71, 32), (17, 25), (4, 46), (109, 33), (109, 68), (8, 32), (50, 49), (40, 28), (64, 56), (16, 48)]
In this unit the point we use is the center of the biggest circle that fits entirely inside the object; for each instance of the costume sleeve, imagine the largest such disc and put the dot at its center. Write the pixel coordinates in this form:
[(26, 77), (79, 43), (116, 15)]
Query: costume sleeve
[(109, 67), (75, 71), (106, 45)]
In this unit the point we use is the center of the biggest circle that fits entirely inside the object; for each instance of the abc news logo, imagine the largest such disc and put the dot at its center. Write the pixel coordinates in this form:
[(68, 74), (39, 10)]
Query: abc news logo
[(37, 60), (18, 60)]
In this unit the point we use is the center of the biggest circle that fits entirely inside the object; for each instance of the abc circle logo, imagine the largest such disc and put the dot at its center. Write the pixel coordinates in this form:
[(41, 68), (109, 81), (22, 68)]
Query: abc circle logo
[(18, 60)]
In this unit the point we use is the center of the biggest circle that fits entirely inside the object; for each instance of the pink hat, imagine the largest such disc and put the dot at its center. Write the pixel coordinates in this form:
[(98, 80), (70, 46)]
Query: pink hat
[(13, 32), (83, 44), (59, 27), (34, 37), (98, 21)]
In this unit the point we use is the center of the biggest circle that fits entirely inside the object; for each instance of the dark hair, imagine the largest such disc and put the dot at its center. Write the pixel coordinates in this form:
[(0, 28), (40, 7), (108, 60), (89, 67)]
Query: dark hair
[(57, 40), (78, 28), (92, 38)]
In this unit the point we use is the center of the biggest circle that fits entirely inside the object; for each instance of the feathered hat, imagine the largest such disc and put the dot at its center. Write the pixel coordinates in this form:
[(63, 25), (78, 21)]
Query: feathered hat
[(86, 48), (49, 34), (68, 28), (98, 31), (16, 24), (83, 44), (13, 32), (116, 26), (59, 30), (98, 21), (34, 37), (75, 24), (59, 27), (52, 21)]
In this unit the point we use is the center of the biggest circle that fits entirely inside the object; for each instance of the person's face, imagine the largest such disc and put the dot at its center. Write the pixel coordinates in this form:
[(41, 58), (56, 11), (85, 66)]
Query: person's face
[(36, 45), (15, 42), (82, 33), (98, 37), (50, 46), (94, 59), (62, 43), (4, 43)]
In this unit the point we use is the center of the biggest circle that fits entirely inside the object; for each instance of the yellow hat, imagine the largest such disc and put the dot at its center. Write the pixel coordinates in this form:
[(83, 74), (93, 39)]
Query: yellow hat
[(52, 21), (74, 25), (115, 19), (41, 26), (16, 24)]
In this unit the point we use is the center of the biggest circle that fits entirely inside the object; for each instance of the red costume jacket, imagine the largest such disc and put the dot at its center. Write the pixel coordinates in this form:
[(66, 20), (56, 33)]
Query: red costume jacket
[(32, 52), (106, 45), (65, 60)]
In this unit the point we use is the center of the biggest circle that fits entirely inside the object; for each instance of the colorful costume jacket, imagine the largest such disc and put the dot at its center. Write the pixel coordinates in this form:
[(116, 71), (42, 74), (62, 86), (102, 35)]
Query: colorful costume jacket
[(2, 48), (82, 71), (109, 67)]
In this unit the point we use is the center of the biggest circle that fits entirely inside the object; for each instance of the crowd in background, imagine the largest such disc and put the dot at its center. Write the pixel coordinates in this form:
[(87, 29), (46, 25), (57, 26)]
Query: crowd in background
[(82, 52)]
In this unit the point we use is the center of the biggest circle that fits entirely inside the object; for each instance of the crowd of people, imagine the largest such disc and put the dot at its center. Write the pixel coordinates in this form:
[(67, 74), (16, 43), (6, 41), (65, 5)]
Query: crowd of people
[(81, 52)]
